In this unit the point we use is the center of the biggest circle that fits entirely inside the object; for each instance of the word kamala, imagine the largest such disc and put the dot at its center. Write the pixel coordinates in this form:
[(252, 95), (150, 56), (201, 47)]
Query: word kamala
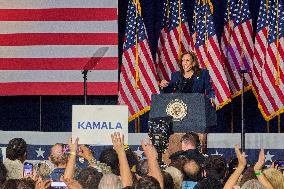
[(99, 125)]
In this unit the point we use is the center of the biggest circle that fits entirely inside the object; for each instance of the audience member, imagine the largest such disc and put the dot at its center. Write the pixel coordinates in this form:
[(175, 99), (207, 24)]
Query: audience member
[(59, 158), (43, 170), (142, 168), (168, 181), (192, 171), (3, 173), (275, 177), (176, 175), (190, 141), (188, 169), (11, 184), (110, 181), (109, 157), (89, 178), (147, 182), (16, 154), (247, 175), (252, 184)]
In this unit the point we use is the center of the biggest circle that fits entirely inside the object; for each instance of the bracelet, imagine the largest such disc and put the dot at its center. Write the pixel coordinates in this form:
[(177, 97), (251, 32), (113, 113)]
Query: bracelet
[(92, 161), (73, 153), (257, 173)]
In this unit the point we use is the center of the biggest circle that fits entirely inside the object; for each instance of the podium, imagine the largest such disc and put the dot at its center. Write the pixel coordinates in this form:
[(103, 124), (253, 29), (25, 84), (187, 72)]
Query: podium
[(190, 111)]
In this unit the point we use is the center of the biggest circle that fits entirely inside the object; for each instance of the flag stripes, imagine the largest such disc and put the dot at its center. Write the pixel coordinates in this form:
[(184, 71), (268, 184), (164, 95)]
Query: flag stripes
[(48, 42)]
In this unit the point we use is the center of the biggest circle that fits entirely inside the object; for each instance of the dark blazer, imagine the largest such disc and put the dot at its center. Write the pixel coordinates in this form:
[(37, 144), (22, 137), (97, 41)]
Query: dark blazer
[(201, 84)]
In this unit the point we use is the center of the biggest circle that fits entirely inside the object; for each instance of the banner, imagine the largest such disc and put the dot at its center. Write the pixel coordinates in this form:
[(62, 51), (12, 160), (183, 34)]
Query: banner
[(94, 124)]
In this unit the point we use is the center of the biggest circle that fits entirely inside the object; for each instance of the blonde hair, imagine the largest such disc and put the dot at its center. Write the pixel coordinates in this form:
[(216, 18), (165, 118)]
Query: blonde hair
[(252, 184), (176, 175), (275, 177)]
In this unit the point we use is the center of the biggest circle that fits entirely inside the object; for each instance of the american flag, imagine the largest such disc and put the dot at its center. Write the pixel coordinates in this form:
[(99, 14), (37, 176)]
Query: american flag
[(138, 80), (237, 44), (45, 44), (269, 59), (172, 32), (208, 52)]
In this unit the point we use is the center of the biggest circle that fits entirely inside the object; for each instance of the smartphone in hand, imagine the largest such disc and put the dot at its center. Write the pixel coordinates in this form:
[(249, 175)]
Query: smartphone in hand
[(58, 185), (28, 169)]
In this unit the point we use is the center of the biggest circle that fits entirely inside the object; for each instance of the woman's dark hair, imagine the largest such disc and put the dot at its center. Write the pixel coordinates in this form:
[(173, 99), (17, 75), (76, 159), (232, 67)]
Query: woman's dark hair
[(193, 138), (27, 183), (168, 180), (89, 178), (16, 149), (142, 168), (196, 67), (207, 183), (131, 158), (11, 183), (248, 174), (215, 166), (147, 182), (3, 173), (109, 157)]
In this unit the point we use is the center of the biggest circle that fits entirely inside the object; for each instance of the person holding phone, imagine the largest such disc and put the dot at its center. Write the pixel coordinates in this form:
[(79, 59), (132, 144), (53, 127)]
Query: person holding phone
[(16, 154)]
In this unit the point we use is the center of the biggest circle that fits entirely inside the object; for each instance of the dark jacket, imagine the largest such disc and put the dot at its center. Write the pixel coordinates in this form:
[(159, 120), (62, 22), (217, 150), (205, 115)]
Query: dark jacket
[(201, 84)]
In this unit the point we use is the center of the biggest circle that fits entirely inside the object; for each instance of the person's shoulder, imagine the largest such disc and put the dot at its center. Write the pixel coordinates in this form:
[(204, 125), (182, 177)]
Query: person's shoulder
[(204, 70), (176, 74)]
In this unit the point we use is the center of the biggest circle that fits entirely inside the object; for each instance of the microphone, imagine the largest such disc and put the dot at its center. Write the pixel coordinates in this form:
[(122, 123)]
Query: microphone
[(176, 86)]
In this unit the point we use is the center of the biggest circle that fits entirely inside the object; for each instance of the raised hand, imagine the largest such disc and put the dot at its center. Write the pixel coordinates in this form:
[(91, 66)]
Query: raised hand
[(85, 152), (149, 150), (261, 160), (241, 157), (73, 146), (118, 142)]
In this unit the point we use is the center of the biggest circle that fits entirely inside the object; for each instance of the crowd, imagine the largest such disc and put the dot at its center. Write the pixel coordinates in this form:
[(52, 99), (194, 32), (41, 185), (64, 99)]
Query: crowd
[(119, 168)]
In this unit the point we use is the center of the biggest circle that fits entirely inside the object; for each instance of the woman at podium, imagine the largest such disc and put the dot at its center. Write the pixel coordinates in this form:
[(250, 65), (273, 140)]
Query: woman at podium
[(190, 79)]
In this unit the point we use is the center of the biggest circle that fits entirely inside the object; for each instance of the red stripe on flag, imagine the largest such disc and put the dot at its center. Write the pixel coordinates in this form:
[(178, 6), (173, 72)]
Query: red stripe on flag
[(58, 88), (59, 14), (131, 88), (162, 67), (215, 69), (144, 71), (232, 75), (272, 77), (167, 49), (106, 63), (24, 39), (130, 85), (258, 79), (186, 33), (141, 73), (247, 44), (125, 99), (147, 54)]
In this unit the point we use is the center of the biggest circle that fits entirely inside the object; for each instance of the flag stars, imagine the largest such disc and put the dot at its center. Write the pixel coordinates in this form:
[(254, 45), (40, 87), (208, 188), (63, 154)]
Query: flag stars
[(268, 157), (40, 153)]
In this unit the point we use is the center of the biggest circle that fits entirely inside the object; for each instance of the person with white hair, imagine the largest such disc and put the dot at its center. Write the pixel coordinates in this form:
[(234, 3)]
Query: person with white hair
[(110, 181)]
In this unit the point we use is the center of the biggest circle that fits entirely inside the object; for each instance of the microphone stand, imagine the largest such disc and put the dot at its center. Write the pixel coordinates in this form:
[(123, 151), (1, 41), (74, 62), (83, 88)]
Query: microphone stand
[(243, 132), (97, 56), (85, 76)]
